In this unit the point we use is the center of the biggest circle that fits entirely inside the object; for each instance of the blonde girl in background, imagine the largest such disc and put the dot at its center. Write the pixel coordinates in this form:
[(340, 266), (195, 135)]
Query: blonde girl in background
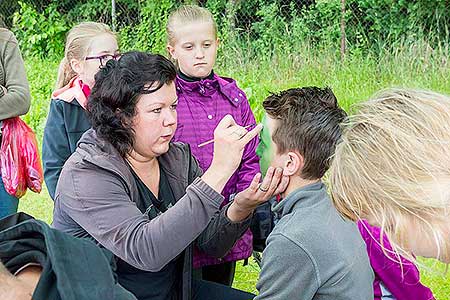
[(392, 169), (204, 98), (89, 45)]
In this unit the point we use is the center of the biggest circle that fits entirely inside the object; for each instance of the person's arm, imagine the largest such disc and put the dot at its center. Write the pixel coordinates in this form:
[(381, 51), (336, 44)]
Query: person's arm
[(55, 146), (287, 271), (21, 286), (221, 234), (99, 202), (15, 96)]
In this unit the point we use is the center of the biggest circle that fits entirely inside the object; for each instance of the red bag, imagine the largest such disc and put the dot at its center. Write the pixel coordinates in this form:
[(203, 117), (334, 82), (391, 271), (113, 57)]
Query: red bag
[(20, 163)]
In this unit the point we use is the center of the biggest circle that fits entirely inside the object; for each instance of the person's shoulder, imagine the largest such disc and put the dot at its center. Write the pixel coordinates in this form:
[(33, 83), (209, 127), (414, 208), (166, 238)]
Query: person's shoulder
[(65, 109), (316, 227), (282, 248), (7, 36), (229, 87)]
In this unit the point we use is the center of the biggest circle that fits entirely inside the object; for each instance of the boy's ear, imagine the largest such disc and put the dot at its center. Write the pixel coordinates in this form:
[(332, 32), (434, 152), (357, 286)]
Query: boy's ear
[(76, 65), (171, 51), (293, 164)]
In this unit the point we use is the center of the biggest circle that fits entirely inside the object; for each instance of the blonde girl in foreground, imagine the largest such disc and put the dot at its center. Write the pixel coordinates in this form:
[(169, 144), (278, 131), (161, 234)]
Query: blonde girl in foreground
[(393, 169)]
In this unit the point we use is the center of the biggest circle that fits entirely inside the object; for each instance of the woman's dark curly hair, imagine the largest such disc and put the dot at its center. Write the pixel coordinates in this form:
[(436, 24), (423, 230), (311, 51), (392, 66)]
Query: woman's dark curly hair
[(117, 89)]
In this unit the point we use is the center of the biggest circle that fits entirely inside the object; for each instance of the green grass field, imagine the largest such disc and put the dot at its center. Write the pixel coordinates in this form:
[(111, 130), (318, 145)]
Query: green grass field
[(352, 82)]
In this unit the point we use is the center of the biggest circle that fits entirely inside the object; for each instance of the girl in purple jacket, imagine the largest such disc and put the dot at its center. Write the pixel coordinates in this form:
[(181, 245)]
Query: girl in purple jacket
[(204, 98), (392, 279)]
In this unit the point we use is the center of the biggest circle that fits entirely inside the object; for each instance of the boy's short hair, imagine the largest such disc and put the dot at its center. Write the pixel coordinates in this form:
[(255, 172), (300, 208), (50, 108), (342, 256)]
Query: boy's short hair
[(308, 120)]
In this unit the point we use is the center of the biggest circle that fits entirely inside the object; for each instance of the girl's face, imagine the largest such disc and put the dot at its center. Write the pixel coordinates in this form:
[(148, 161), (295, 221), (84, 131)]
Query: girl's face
[(195, 48), (102, 48), (155, 122)]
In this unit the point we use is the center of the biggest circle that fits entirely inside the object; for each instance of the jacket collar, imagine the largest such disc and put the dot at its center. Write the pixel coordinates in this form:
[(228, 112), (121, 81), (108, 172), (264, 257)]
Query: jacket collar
[(304, 197), (207, 87), (72, 91)]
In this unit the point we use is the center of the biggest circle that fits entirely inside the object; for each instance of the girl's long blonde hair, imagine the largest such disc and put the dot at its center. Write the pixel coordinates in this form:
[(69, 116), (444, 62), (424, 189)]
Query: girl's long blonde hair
[(78, 41), (393, 167)]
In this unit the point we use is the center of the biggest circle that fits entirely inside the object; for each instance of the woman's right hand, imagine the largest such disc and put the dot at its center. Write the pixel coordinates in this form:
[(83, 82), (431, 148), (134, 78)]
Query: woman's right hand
[(230, 140)]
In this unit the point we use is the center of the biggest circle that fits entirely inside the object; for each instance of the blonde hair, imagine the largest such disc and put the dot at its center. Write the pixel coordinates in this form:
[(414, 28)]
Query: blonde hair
[(393, 167), (186, 14), (78, 41)]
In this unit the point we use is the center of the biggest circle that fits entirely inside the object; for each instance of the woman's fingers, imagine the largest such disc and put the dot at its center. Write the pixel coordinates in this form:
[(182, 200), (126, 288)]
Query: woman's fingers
[(271, 181), (226, 122), (275, 180), (248, 136), (282, 185), (253, 187)]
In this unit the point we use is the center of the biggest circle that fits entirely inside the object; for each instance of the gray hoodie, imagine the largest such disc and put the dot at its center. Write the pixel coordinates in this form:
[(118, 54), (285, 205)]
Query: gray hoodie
[(95, 197)]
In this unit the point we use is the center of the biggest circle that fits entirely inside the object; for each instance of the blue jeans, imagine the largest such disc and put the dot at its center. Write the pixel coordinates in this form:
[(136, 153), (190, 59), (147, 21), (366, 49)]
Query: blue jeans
[(8, 203)]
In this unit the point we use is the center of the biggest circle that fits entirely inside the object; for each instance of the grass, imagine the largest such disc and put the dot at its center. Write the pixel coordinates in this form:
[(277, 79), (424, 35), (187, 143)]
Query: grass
[(354, 81)]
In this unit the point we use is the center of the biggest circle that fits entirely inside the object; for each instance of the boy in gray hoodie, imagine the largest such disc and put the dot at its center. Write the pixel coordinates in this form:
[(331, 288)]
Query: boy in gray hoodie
[(312, 253)]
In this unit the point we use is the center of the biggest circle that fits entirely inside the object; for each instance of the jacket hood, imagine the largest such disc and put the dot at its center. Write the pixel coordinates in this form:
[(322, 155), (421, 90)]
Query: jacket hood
[(71, 91)]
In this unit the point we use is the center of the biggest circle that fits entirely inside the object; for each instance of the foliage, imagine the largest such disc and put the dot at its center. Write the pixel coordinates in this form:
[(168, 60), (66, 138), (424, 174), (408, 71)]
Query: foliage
[(40, 34), (268, 26), (149, 34), (42, 77)]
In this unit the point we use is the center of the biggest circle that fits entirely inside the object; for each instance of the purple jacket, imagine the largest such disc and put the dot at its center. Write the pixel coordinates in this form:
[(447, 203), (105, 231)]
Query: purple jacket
[(201, 105), (388, 273)]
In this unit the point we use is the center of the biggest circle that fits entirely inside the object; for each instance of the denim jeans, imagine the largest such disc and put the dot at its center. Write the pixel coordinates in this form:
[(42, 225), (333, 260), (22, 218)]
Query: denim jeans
[(8, 203)]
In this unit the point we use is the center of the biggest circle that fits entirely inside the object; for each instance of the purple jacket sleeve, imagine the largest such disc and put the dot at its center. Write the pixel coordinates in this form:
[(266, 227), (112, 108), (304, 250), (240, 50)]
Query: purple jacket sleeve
[(250, 161), (403, 286)]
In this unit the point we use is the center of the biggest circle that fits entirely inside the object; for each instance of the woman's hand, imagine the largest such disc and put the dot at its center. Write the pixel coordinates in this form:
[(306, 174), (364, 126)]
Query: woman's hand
[(257, 193), (229, 143)]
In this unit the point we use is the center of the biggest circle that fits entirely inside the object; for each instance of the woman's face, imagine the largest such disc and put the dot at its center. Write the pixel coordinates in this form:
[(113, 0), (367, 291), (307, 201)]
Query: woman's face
[(155, 122)]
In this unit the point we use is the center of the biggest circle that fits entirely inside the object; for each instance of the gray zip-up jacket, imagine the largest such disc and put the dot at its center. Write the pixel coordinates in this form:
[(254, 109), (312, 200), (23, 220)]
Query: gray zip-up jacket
[(313, 253), (95, 197)]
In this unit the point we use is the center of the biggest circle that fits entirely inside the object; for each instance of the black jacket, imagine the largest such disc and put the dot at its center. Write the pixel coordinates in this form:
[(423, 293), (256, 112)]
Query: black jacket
[(73, 268)]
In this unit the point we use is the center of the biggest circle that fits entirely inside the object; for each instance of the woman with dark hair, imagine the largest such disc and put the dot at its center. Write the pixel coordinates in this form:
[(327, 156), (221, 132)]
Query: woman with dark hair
[(146, 199), (14, 98)]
